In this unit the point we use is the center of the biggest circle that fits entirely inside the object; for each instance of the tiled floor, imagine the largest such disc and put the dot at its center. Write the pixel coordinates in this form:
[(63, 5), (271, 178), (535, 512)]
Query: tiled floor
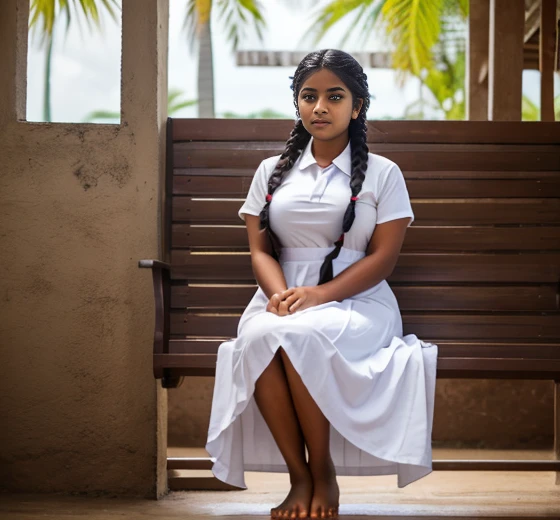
[(457, 495)]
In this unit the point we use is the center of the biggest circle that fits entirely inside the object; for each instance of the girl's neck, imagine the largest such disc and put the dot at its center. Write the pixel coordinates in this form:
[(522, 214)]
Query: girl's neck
[(325, 151)]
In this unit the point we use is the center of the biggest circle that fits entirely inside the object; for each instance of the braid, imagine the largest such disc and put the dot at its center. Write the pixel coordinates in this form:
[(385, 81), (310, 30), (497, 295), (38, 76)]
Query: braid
[(360, 150), (297, 141), (299, 137), (352, 75)]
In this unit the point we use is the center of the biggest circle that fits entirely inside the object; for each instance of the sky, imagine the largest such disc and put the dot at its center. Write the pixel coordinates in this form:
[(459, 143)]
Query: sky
[(86, 67)]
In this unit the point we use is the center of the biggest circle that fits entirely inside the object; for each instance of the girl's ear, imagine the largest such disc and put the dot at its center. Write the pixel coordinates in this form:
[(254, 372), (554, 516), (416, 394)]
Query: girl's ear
[(357, 108)]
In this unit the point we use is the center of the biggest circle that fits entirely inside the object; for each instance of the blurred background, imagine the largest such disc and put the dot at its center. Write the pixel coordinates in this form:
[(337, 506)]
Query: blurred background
[(234, 58)]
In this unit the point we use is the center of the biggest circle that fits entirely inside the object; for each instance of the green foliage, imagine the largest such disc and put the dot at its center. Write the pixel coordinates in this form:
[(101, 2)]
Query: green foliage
[(174, 104), (236, 15), (414, 27), (531, 112), (267, 113), (366, 18), (45, 12)]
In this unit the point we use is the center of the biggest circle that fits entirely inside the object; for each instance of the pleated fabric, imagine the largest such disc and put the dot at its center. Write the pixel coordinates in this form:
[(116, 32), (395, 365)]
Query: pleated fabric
[(375, 386)]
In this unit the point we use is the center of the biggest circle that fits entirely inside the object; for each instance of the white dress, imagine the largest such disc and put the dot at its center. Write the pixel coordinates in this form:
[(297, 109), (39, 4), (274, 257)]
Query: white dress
[(375, 386)]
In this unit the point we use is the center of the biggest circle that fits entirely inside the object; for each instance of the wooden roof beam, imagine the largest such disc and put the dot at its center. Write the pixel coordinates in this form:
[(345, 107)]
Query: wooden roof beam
[(250, 58)]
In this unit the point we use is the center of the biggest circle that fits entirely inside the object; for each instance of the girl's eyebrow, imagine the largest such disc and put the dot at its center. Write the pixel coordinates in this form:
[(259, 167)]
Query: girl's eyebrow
[(333, 89)]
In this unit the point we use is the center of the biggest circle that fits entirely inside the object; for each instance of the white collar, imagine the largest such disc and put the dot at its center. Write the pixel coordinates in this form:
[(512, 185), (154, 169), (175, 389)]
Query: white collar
[(343, 162)]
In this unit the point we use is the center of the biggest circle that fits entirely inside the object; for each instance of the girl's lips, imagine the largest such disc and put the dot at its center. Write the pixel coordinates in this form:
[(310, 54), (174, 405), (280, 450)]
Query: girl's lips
[(320, 123)]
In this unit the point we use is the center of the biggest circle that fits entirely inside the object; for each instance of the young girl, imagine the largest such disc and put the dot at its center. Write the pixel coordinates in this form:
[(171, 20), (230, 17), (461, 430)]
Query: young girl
[(320, 380)]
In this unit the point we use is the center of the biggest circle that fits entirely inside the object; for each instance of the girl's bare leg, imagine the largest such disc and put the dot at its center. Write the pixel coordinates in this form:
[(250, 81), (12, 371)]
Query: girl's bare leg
[(272, 395), (316, 432)]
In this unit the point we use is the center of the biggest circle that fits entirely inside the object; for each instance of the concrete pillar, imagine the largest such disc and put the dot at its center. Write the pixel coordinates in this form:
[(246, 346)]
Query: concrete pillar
[(507, 28), (13, 60), (477, 69), (79, 206)]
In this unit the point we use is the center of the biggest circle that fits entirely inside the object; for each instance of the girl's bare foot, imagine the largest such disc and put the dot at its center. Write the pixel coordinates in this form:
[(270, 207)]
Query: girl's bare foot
[(296, 504), (324, 503)]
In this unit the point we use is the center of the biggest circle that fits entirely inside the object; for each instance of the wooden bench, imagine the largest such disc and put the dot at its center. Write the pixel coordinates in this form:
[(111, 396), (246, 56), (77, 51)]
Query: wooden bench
[(479, 271)]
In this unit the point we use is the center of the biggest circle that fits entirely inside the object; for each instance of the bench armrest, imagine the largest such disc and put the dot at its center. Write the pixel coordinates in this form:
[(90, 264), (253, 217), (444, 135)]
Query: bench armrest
[(161, 273), (154, 264)]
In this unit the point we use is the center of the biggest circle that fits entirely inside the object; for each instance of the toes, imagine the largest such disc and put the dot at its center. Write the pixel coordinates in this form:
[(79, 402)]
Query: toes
[(333, 513), (302, 513)]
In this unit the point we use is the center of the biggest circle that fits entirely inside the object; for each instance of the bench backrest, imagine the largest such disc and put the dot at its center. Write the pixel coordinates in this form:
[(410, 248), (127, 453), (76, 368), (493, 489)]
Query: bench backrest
[(480, 264)]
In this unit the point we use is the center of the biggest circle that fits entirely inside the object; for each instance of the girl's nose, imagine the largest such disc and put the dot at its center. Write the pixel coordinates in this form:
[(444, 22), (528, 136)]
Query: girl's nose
[(320, 107)]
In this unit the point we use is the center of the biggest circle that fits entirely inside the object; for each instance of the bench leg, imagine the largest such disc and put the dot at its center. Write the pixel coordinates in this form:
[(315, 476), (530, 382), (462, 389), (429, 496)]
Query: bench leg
[(557, 426)]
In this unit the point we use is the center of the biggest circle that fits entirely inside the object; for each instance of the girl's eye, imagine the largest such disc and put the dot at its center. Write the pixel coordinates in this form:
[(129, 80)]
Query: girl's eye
[(311, 97)]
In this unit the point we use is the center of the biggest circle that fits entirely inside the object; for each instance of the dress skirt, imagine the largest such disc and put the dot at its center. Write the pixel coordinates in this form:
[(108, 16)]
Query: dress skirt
[(375, 387)]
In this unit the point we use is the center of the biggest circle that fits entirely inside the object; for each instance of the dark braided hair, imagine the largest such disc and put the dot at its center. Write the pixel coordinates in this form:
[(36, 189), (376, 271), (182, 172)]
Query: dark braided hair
[(352, 75)]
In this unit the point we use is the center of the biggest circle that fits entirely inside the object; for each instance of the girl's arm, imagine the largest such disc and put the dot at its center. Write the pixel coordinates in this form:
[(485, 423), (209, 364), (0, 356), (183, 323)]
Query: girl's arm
[(268, 272), (381, 257)]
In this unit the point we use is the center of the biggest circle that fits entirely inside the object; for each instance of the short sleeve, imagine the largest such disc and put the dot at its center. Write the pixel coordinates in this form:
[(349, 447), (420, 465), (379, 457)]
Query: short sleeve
[(393, 201), (256, 197)]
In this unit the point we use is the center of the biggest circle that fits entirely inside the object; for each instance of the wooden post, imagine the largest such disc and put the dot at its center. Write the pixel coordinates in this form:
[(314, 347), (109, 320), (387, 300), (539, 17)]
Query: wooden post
[(505, 65), (477, 70), (547, 48)]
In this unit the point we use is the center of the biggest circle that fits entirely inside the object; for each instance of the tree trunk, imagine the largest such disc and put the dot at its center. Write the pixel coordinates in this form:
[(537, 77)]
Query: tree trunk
[(205, 73), (47, 79)]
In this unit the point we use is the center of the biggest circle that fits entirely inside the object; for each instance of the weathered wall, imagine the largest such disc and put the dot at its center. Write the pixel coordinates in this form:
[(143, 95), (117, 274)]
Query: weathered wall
[(468, 413), (79, 206)]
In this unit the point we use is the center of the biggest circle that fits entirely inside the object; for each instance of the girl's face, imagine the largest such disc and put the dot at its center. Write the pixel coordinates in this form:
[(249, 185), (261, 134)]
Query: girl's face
[(325, 106)]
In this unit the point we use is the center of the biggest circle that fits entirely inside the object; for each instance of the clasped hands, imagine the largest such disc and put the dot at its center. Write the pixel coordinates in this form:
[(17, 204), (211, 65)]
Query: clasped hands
[(295, 299)]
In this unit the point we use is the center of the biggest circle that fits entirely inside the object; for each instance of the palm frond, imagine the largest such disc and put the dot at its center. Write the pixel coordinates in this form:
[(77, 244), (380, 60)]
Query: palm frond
[(414, 27), (237, 16), (365, 15), (191, 23), (456, 8), (43, 13), (174, 104), (102, 114)]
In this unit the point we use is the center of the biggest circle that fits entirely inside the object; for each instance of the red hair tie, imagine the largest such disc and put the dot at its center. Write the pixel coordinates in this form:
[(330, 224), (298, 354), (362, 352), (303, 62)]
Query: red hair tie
[(354, 198), (268, 198)]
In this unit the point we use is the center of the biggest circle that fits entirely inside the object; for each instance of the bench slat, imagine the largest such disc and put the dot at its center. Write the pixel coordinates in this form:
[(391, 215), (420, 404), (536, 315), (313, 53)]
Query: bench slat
[(435, 325), (378, 131), (541, 368), (188, 463), (410, 268), (427, 212), (427, 298), (447, 349), (420, 157), (418, 238)]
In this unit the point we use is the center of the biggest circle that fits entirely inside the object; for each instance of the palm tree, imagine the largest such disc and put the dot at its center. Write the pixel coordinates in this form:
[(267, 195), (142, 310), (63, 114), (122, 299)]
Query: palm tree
[(45, 13), (236, 16), (413, 27)]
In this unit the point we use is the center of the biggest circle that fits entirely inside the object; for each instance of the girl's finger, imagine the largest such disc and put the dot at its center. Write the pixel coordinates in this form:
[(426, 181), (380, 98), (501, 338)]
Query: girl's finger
[(287, 292), (295, 305), (291, 299)]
